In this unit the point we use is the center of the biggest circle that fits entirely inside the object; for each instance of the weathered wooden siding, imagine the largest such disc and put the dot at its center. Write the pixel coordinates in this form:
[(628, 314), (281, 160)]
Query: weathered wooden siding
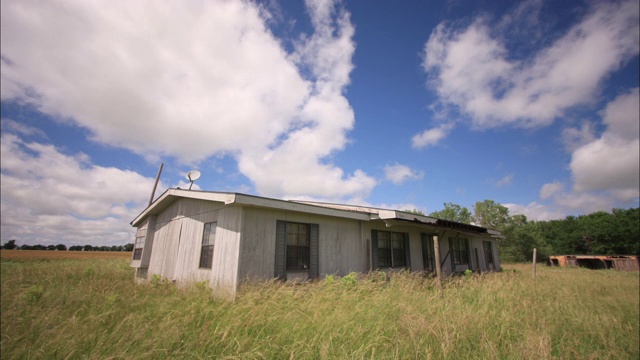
[(340, 244), (197, 213), (224, 277), (177, 240)]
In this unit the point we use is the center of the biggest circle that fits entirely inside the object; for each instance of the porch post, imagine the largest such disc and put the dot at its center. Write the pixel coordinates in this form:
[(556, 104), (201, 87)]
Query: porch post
[(436, 250)]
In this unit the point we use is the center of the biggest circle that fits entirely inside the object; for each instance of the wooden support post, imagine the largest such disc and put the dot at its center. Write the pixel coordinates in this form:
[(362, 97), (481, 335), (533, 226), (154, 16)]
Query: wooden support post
[(436, 250), (535, 255)]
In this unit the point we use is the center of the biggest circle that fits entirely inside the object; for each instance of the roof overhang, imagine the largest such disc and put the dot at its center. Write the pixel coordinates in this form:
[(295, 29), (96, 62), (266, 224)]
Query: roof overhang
[(355, 212), (171, 195)]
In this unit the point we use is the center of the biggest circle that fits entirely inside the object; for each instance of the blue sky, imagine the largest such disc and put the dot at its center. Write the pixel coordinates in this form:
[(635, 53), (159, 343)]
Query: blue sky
[(403, 104)]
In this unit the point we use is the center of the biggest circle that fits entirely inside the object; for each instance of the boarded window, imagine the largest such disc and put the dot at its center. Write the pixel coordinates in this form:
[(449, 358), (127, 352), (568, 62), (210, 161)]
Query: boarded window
[(208, 240), (137, 248), (459, 251), (391, 249)]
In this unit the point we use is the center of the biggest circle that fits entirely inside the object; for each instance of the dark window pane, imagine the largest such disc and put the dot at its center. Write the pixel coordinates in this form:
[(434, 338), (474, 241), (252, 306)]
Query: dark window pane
[(391, 251), (297, 246), (384, 257), (208, 241), (139, 245), (460, 251), (206, 256)]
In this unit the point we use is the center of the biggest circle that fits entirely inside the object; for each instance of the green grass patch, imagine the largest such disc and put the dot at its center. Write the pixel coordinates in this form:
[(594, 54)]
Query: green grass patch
[(78, 309)]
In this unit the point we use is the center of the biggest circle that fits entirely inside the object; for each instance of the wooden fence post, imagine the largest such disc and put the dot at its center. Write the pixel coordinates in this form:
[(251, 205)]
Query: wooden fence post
[(436, 250), (535, 255)]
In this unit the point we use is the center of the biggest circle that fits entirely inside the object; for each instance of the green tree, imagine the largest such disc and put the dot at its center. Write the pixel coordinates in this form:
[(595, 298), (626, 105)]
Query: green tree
[(490, 214), (10, 245), (128, 247), (453, 212)]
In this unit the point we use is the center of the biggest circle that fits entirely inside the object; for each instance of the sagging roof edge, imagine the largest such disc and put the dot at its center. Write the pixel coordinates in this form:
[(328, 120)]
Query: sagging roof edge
[(337, 210), (170, 195)]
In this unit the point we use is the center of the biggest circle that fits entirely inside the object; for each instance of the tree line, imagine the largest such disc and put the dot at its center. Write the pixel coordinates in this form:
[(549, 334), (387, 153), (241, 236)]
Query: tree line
[(11, 245), (598, 233)]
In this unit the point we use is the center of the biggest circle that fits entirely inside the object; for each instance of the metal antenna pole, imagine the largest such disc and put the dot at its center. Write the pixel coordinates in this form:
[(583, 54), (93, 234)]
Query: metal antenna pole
[(155, 185)]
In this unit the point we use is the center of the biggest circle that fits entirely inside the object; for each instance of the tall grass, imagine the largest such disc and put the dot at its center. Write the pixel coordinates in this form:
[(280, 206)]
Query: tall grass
[(92, 309)]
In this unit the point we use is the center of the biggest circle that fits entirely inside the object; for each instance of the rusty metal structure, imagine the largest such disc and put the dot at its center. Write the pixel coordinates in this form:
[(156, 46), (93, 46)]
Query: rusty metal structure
[(617, 262)]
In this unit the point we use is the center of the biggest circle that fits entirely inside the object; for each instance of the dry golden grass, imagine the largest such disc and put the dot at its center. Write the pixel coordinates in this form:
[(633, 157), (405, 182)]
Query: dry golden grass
[(58, 255), (79, 309)]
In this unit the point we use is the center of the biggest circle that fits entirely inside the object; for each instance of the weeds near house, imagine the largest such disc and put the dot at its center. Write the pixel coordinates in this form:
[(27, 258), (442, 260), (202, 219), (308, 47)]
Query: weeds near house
[(91, 308)]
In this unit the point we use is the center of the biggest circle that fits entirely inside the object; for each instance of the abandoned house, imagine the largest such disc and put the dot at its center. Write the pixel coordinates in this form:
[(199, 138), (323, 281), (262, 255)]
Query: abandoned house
[(228, 238)]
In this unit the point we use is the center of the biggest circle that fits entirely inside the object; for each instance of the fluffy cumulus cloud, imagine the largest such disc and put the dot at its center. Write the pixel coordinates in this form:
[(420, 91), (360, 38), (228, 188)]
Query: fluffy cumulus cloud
[(432, 136), (504, 181), (550, 189), (190, 80), (49, 197), (612, 161), (398, 173), (471, 69), (477, 71), (322, 121), (605, 169), (535, 211)]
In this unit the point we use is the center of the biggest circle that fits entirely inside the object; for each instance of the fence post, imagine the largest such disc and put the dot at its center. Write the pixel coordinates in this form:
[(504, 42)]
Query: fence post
[(535, 255), (436, 250)]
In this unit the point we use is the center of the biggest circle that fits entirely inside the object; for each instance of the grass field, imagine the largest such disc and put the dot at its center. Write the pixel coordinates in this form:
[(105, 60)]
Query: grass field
[(8, 255), (91, 308)]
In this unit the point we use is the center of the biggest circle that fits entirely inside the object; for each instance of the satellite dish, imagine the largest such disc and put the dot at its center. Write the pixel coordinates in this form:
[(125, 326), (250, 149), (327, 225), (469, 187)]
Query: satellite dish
[(192, 176)]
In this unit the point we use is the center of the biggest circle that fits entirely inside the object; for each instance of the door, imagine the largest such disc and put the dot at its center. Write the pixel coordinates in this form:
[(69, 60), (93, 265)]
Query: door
[(488, 255), (428, 259)]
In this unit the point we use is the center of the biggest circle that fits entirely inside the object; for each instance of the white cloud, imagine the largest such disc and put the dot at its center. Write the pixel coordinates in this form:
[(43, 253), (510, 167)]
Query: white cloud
[(398, 173), (472, 70), (191, 80), (431, 136), (506, 180), (551, 189), (574, 138), (535, 211), (16, 127), (605, 170), (613, 160), (49, 197)]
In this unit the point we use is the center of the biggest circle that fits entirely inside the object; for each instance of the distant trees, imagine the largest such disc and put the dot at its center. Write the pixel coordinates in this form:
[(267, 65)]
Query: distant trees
[(11, 244), (598, 233)]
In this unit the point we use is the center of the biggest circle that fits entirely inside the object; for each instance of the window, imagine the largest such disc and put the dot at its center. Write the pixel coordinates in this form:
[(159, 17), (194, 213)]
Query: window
[(391, 249), (208, 240), (459, 251), (297, 246), (137, 248)]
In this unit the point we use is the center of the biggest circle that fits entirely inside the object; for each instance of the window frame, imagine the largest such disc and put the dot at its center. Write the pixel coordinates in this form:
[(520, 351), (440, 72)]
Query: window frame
[(391, 245), (298, 247), (138, 247), (207, 245), (460, 255)]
